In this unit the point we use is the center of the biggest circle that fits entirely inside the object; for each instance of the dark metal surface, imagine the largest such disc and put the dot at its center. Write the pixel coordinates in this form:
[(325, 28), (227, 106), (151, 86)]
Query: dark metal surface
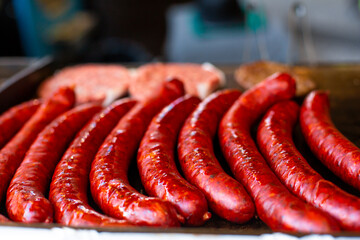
[(23, 84), (343, 83)]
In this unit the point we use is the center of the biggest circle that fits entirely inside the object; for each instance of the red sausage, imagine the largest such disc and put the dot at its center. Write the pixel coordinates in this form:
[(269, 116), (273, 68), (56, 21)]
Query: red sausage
[(69, 185), (332, 148), (275, 205), (25, 200), (276, 144), (13, 119), (108, 176), (3, 219), (14, 151), (156, 162), (226, 196)]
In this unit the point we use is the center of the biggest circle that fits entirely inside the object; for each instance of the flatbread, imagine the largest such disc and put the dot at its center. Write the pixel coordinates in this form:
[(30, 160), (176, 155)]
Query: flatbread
[(248, 75)]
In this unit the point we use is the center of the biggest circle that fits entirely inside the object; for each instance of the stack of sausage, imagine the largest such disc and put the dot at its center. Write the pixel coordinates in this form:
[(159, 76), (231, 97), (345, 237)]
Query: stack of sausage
[(52, 152)]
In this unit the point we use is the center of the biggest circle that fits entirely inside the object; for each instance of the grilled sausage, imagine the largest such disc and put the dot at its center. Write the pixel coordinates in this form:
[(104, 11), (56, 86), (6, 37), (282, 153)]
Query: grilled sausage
[(156, 162), (275, 142), (12, 154), (13, 119), (69, 185), (108, 176), (332, 148), (25, 201), (275, 205), (226, 196)]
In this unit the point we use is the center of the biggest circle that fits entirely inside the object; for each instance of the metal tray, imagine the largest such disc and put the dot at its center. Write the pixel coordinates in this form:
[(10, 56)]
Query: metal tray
[(23, 84), (342, 81)]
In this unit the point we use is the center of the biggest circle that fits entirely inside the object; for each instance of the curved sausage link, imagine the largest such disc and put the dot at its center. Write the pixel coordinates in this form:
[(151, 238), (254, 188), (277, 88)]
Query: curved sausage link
[(275, 205), (108, 176), (12, 154), (332, 148), (276, 144), (156, 162), (25, 201), (69, 185), (226, 196), (13, 119)]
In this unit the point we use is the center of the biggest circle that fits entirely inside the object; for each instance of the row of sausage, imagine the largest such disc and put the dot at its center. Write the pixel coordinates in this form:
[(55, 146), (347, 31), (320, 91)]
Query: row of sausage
[(51, 148)]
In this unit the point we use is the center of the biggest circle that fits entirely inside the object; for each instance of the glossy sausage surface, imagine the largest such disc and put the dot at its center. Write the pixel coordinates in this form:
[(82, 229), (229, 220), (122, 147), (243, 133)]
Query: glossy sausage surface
[(13, 119), (25, 200), (331, 147), (69, 185), (157, 167), (275, 205), (276, 144), (109, 172), (226, 196), (12, 154)]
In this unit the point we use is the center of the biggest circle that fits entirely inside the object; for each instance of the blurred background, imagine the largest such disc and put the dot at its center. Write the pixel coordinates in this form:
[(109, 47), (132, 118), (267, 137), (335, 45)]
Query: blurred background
[(217, 31)]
